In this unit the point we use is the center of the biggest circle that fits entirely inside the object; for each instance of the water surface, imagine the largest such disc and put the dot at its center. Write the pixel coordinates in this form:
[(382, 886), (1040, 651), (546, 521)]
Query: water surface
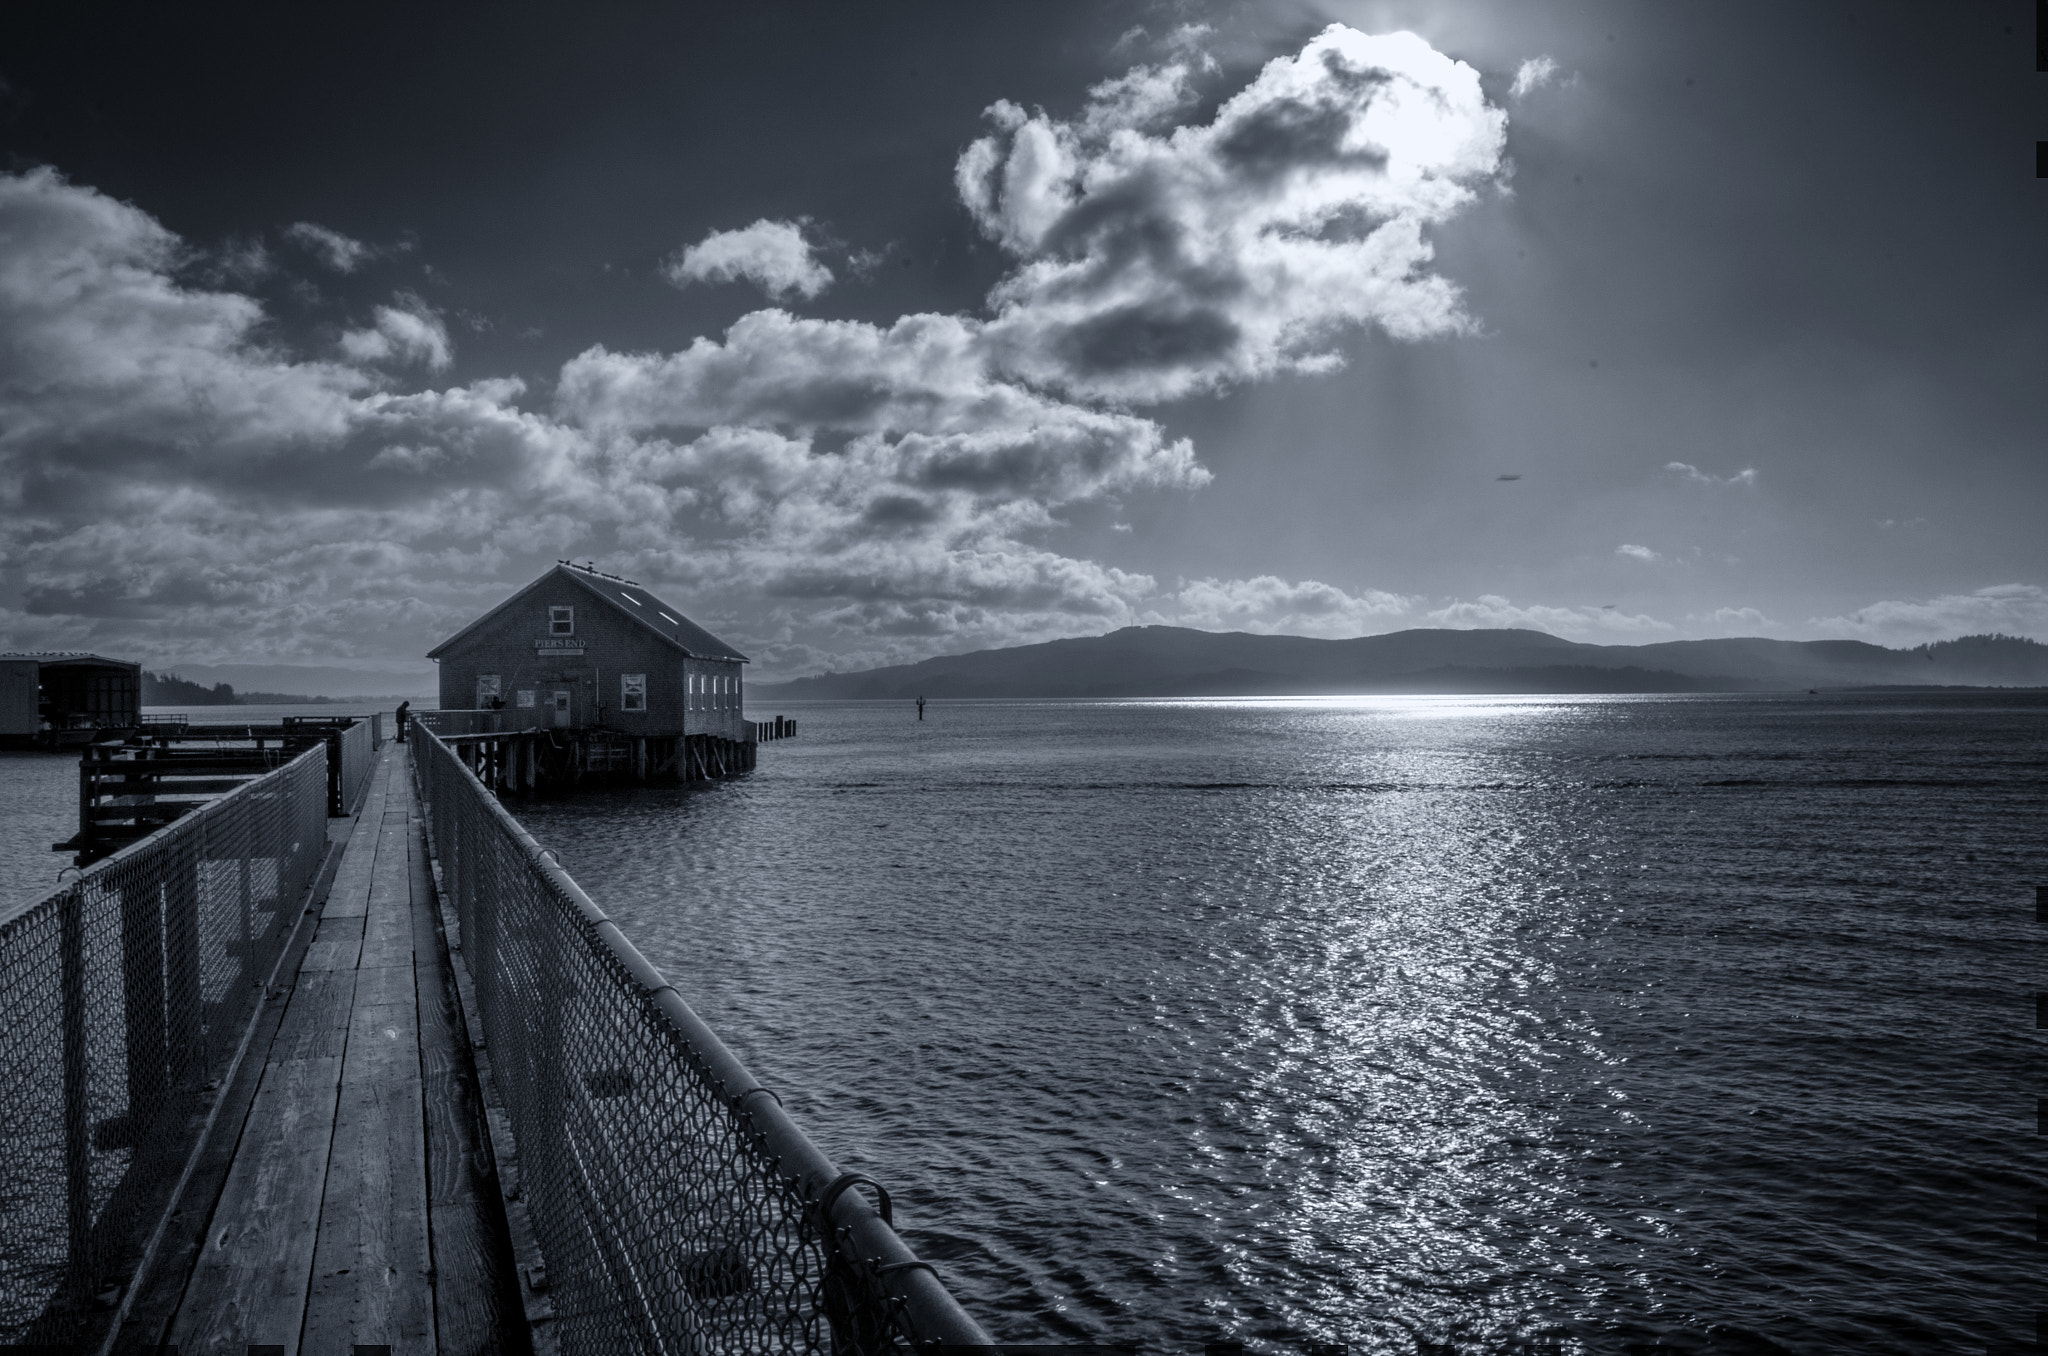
[(1415, 1024)]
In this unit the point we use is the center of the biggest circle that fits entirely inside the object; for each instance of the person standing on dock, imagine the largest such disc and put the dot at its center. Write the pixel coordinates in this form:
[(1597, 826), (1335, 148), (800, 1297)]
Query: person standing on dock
[(920, 708), (403, 707)]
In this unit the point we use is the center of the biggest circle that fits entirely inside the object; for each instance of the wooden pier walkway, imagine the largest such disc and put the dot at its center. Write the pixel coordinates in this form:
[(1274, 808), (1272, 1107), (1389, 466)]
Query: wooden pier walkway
[(352, 1204)]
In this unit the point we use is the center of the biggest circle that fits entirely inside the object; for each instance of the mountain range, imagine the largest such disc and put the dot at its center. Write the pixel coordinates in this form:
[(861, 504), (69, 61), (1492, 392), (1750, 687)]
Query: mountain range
[(1172, 661)]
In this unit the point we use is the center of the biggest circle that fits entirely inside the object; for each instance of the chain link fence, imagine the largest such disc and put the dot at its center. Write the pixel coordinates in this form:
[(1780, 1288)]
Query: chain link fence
[(677, 1208), (358, 754), (123, 997)]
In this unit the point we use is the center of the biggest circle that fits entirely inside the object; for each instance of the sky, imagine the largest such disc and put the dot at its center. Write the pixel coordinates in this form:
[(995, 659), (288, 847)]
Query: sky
[(867, 333)]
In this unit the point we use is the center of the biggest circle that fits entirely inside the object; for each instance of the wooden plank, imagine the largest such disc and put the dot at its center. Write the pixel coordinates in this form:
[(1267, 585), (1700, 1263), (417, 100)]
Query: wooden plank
[(372, 1281), (338, 945), (351, 893), (388, 940), (474, 1283), (250, 1283), (172, 786), (119, 770), (315, 1024)]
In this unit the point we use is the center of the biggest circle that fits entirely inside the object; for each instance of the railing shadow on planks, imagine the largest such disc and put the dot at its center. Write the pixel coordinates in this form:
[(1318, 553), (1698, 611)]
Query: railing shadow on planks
[(124, 999), (678, 1209)]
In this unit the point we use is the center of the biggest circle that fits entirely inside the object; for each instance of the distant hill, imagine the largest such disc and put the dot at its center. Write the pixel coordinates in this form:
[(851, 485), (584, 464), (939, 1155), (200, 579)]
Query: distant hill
[(1172, 661)]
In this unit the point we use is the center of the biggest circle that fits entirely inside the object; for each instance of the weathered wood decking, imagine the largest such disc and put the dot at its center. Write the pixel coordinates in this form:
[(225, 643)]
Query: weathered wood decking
[(353, 1204)]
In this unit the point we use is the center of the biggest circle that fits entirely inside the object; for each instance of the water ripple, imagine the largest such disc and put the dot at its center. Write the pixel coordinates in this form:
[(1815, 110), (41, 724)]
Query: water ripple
[(1422, 1027)]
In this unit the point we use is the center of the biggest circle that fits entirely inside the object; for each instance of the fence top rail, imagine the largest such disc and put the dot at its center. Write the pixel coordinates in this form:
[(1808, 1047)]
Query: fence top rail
[(938, 1317), (9, 913)]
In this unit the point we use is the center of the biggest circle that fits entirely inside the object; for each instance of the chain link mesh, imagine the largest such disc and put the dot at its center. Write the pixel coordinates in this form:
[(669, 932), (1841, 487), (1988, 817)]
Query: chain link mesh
[(671, 1221), (122, 999), (358, 757)]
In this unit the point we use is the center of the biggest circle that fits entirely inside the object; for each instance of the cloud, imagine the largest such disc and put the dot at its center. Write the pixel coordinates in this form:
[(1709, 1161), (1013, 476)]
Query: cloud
[(1693, 475), (2014, 609), (109, 365), (917, 394), (1634, 552), (241, 259), (175, 479), (1532, 75), (1270, 605), (330, 247), (773, 254), (405, 334), (1493, 610), (1736, 621), (1158, 263), (171, 479)]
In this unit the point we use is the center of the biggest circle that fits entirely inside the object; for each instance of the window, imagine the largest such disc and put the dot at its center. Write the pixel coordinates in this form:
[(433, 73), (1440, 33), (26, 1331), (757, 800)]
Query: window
[(486, 689), (561, 621), (632, 692), (525, 698)]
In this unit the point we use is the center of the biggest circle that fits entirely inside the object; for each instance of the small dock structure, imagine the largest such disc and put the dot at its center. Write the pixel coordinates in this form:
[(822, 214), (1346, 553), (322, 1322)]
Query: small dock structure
[(61, 699), (128, 788), (584, 673), (399, 1083)]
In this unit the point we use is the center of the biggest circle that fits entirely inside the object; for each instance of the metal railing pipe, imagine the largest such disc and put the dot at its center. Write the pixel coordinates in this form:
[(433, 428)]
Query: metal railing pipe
[(882, 1288)]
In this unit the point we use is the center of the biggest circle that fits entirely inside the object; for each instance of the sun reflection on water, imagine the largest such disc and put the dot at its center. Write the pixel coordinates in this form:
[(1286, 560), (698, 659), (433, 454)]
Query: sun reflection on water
[(1372, 1020)]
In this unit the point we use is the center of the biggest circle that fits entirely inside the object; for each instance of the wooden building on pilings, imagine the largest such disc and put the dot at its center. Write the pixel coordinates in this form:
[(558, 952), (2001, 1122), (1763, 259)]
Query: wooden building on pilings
[(583, 673), (63, 700)]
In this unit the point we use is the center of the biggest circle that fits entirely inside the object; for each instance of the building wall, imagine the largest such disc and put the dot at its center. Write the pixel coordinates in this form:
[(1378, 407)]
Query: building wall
[(18, 701), (612, 647), (108, 693)]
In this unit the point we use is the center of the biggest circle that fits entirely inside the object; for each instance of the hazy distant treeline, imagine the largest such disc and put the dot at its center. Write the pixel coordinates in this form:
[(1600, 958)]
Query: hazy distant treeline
[(168, 689)]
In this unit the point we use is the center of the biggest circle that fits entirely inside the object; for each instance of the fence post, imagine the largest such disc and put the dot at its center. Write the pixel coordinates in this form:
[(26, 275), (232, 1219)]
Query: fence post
[(337, 803), (142, 991), (248, 892), (77, 1105)]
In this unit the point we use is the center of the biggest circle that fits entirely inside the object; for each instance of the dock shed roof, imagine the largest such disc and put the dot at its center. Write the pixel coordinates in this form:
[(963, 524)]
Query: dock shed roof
[(628, 600), (68, 657)]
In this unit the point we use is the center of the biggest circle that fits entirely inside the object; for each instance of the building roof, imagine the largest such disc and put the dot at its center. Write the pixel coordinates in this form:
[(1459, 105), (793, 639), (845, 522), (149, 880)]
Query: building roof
[(68, 657), (625, 598)]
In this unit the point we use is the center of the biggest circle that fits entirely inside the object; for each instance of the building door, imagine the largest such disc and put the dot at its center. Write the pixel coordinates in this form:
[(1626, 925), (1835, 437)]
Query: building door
[(561, 710)]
